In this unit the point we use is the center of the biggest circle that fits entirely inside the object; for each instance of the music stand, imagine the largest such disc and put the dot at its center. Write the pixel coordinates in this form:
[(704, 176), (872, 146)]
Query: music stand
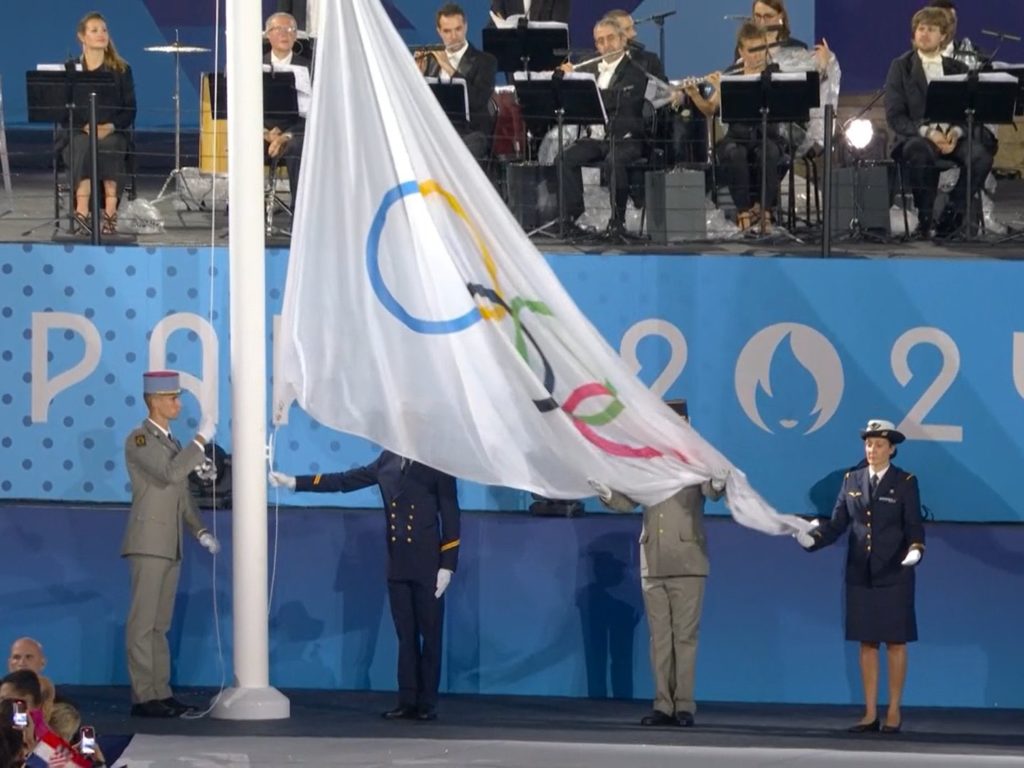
[(570, 100), (770, 97), (280, 101), (61, 95), (986, 97), (528, 47), (454, 99)]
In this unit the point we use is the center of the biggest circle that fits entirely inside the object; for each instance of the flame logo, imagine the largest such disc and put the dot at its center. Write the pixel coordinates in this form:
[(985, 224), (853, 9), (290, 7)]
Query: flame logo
[(812, 350)]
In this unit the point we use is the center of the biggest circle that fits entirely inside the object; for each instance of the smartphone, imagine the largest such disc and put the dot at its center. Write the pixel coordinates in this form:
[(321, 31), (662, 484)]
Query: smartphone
[(19, 716), (87, 744)]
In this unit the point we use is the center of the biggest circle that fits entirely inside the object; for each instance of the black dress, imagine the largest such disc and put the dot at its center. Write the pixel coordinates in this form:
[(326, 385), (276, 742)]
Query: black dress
[(118, 108), (884, 526)]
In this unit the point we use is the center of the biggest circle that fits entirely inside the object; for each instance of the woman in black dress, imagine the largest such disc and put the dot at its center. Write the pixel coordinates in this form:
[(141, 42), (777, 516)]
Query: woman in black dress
[(114, 119), (881, 506)]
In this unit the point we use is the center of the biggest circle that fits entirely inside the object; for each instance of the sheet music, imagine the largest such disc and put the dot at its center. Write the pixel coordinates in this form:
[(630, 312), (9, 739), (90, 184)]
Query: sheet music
[(513, 21), (984, 77), (303, 84), (519, 76), (55, 67)]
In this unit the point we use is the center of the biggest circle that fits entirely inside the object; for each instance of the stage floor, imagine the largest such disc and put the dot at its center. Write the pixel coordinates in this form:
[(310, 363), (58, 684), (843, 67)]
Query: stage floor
[(28, 219), (344, 728)]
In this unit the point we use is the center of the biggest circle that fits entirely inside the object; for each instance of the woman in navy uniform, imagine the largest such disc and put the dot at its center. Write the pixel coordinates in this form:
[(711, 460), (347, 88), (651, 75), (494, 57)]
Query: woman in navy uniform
[(421, 510), (881, 506)]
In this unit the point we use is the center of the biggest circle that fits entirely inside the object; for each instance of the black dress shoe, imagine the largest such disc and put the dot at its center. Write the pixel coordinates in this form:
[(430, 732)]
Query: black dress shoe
[(684, 719), (657, 717), (179, 708), (864, 727), (892, 728), (950, 223), (426, 713), (401, 712), (152, 708)]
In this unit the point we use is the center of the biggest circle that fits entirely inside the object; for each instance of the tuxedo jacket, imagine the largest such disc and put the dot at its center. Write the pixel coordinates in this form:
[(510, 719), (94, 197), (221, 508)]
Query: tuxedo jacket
[(478, 69), (421, 513), (883, 527), (293, 123), (623, 99), (540, 10), (906, 89)]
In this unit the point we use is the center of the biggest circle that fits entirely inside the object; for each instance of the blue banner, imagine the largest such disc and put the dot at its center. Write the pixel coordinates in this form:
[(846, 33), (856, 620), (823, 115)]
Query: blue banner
[(782, 361)]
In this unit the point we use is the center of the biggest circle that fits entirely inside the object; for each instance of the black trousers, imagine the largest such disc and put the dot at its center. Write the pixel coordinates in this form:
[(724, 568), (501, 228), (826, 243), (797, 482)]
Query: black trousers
[(586, 151), (292, 159), (740, 164), (419, 619), (920, 156)]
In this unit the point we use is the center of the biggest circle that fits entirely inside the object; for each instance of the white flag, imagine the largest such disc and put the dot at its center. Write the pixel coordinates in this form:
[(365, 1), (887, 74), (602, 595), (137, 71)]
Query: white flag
[(418, 314)]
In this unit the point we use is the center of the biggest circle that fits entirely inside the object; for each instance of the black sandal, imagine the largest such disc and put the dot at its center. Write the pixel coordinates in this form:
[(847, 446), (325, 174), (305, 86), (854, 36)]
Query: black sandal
[(109, 224), (81, 225)]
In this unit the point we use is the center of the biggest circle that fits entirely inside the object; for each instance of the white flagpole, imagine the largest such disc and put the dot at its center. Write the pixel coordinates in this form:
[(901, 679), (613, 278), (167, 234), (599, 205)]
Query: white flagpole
[(251, 698)]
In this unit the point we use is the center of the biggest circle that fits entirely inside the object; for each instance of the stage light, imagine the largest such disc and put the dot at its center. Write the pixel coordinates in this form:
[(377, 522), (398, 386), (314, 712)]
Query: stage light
[(859, 133)]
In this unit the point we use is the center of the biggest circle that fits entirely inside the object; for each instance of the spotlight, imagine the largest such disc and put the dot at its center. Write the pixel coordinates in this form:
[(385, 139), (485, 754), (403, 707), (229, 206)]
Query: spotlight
[(859, 133)]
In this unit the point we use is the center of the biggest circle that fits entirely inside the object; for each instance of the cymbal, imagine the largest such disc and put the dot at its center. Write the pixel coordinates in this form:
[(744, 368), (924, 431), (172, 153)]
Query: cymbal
[(176, 47)]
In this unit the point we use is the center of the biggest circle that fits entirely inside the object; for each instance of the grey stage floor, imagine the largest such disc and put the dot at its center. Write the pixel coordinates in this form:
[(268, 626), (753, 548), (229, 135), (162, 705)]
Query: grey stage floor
[(27, 217), (535, 731)]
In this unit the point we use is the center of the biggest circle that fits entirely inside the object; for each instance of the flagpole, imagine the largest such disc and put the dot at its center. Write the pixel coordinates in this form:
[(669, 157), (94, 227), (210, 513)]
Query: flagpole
[(251, 698)]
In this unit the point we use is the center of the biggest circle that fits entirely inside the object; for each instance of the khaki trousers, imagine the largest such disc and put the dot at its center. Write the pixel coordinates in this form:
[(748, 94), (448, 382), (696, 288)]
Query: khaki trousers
[(673, 605), (154, 585)]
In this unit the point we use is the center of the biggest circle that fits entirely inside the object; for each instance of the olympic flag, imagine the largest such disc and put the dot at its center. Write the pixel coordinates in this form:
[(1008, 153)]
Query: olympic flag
[(418, 314)]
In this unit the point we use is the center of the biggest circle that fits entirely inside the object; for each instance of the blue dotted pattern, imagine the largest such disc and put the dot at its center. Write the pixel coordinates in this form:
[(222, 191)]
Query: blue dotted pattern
[(77, 454)]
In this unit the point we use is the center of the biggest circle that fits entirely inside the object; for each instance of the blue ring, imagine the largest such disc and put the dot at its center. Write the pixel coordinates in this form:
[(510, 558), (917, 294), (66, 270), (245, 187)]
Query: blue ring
[(384, 295)]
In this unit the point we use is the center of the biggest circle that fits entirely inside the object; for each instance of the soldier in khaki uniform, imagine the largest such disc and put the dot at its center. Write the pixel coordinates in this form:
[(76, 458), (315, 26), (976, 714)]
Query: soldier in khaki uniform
[(673, 570), (158, 466)]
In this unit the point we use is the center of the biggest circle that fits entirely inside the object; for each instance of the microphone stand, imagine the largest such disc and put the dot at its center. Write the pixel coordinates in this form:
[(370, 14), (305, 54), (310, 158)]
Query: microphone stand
[(659, 21)]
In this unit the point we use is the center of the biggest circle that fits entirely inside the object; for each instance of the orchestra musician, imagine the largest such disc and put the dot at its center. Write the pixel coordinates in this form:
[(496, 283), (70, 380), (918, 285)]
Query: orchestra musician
[(283, 134), (649, 61), (622, 86), (458, 60), (921, 143), (534, 10), (739, 152)]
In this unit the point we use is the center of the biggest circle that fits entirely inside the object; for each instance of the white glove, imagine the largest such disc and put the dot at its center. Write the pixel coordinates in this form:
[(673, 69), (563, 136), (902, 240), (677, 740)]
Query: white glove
[(719, 477), (209, 541), (804, 539), (913, 557), (281, 480), (207, 428), (207, 471), (444, 578), (600, 489)]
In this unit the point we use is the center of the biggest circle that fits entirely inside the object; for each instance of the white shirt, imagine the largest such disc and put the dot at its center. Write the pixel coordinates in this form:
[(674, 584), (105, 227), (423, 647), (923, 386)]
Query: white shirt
[(932, 65), (526, 7), (280, 63), (454, 58), (606, 71), (880, 474)]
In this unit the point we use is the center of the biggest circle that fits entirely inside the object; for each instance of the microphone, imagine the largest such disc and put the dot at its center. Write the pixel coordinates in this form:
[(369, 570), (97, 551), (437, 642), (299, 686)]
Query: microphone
[(735, 17)]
